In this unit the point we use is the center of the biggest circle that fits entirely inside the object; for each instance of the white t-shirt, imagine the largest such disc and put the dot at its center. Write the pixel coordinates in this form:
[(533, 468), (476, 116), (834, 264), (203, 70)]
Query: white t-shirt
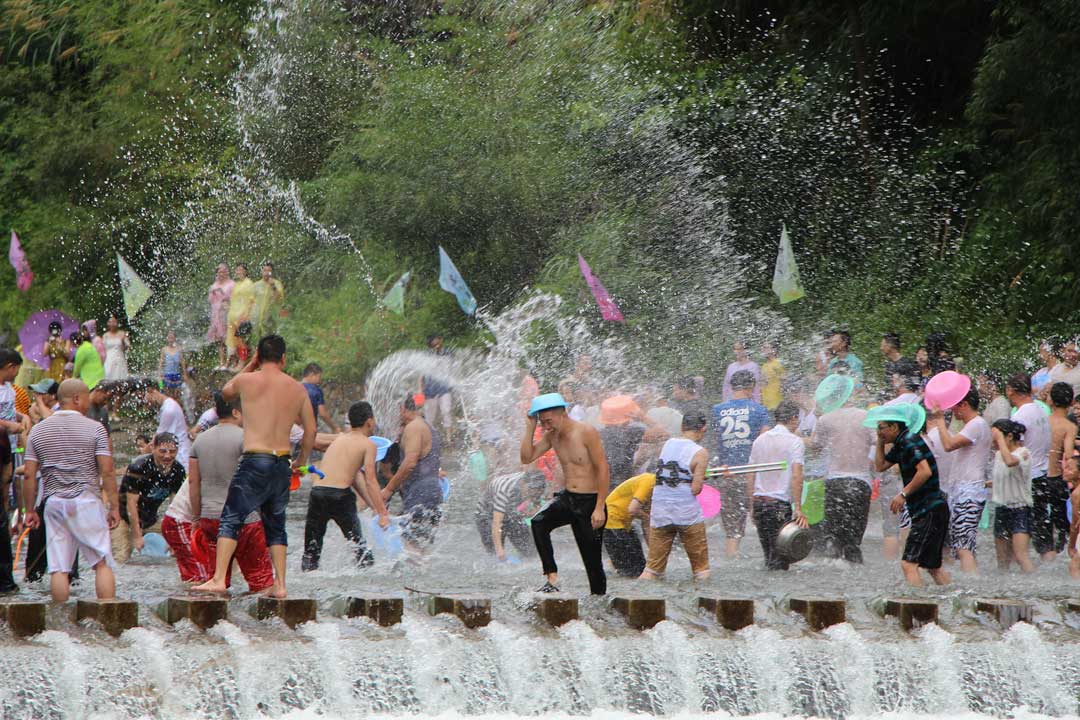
[(971, 462), (1036, 438), (1012, 485), (171, 420), (943, 459), (777, 444)]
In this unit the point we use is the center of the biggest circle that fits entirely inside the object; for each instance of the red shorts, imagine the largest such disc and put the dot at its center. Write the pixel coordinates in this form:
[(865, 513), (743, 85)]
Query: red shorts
[(251, 553), (178, 535)]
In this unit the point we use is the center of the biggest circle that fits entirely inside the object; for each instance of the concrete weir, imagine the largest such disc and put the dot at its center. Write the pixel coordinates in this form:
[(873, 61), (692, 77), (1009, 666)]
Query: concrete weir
[(1006, 611), (24, 618), (474, 611), (204, 612), (911, 612), (556, 608), (730, 613), (386, 610), (294, 611), (640, 612), (115, 616), (819, 612)]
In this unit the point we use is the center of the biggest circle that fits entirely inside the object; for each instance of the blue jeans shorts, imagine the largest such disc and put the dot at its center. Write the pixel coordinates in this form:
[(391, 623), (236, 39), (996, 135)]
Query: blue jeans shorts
[(261, 483)]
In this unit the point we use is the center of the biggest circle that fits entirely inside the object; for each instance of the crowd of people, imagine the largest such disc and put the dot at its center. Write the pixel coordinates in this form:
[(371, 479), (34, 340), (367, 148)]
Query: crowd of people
[(788, 454)]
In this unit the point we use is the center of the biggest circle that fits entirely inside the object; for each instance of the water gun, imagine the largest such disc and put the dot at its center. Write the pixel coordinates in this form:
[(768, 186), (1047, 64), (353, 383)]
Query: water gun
[(294, 483)]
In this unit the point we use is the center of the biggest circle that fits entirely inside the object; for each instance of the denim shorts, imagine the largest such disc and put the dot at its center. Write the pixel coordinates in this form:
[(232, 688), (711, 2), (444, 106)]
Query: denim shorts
[(1009, 521), (261, 483)]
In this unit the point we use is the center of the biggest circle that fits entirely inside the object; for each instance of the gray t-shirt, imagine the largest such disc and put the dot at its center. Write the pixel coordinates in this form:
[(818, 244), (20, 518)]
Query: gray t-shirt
[(218, 451)]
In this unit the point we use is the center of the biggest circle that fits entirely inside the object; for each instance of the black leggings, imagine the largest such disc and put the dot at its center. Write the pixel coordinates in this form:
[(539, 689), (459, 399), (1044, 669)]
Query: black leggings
[(337, 504), (847, 506), (624, 548), (575, 510)]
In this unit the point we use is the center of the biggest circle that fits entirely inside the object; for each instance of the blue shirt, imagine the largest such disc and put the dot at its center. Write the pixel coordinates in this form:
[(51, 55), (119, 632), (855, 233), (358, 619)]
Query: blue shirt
[(735, 426), (907, 452), (314, 393)]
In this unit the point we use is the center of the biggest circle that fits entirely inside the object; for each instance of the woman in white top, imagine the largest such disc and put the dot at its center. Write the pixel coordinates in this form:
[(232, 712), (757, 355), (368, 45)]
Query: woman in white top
[(117, 344), (1011, 482)]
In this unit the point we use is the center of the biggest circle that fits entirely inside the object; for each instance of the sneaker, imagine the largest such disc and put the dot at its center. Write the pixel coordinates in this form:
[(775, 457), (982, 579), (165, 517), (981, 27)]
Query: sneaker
[(548, 588)]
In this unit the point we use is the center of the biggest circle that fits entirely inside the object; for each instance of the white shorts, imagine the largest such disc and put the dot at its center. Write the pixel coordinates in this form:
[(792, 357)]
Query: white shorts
[(73, 525)]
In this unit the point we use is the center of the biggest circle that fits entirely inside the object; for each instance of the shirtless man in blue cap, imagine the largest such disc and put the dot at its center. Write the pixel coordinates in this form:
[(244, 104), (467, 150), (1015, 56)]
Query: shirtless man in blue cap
[(581, 503)]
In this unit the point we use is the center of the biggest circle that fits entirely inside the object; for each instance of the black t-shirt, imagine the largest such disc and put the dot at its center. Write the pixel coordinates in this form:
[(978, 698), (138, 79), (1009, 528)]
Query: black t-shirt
[(153, 484), (620, 443)]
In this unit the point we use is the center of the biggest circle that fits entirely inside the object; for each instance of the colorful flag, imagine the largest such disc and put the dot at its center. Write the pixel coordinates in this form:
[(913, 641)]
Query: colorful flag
[(395, 299), (785, 282), (608, 309), (135, 291), (451, 281), (23, 274)]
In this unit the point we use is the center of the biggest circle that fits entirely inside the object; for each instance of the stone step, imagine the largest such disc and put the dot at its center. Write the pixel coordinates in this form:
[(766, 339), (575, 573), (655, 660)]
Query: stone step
[(640, 612), (911, 612), (556, 608), (24, 618), (204, 612), (115, 616), (386, 610), (1005, 610), (819, 612), (473, 610), (730, 613), (293, 611)]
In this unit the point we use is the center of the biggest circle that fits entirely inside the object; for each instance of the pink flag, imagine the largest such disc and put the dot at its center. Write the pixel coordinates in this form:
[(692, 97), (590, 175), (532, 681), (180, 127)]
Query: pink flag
[(608, 309), (23, 275)]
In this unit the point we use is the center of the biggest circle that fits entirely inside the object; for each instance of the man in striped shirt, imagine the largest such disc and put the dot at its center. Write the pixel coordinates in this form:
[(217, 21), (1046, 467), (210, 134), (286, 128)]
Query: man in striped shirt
[(72, 454)]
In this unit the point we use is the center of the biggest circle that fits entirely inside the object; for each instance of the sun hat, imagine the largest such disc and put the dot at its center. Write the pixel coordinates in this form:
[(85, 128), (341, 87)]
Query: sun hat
[(549, 401), (833, 392), (911, 415), (618, 410)]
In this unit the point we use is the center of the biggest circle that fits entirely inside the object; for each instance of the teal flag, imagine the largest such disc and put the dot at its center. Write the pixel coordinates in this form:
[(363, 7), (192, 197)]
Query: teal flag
[(135, 291), (451, 281), (395, 299)]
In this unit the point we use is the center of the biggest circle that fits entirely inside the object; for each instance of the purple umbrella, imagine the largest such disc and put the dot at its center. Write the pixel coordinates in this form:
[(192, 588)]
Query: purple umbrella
[(35, 331)]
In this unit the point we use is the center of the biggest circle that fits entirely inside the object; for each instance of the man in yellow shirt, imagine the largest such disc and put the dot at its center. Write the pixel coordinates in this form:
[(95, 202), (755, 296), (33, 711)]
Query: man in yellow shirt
[(628, 501), (772, 373)]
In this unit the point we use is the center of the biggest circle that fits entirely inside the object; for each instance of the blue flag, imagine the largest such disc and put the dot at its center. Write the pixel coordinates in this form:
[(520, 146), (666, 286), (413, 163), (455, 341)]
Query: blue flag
[(451, 281)]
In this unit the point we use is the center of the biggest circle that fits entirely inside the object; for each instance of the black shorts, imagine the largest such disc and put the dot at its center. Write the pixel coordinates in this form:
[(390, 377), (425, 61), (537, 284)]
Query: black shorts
[(1009, 521), (927, 538)]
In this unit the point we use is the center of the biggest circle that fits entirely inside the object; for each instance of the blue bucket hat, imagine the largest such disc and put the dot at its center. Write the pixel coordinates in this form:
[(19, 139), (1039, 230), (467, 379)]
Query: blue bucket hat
[(833, 392), (911, 414), (381, 446), (549, 401)]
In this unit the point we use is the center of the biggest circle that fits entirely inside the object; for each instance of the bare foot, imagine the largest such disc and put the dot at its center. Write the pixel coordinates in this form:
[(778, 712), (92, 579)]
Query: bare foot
[(211, 586), (276, 591)]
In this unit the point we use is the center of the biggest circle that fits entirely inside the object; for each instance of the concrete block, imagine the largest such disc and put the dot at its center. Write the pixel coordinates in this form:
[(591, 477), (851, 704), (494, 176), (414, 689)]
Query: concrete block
[(641, 612), (1005, 611), (730, 613), (912, 612), (820, 613), (115, 616), (472, 610), (383, 609), (24, 618), (556, 608), (205, 612), (294, 611)]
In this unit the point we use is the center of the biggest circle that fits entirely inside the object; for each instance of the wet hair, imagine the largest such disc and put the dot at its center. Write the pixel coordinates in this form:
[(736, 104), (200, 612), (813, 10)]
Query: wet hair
[(271, 348), (993, 377), (54, 325), (1020, 383), (241, 265), (695, 418), (393, 457), (433, 337), (223, 407), (844, 335), (142, 438), (972, 398), (1010, 428), (409, 403), (1054, 344), (312, 369), (267, 264), (360, 413), (912, 381), (892, 340), (1061, 395), (786, 411), (165, 438), (9, 357), (243, 330), (742, 380), (687, 383)]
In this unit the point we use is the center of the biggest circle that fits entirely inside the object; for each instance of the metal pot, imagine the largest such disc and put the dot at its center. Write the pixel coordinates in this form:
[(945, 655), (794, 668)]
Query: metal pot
[(794, 543)]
